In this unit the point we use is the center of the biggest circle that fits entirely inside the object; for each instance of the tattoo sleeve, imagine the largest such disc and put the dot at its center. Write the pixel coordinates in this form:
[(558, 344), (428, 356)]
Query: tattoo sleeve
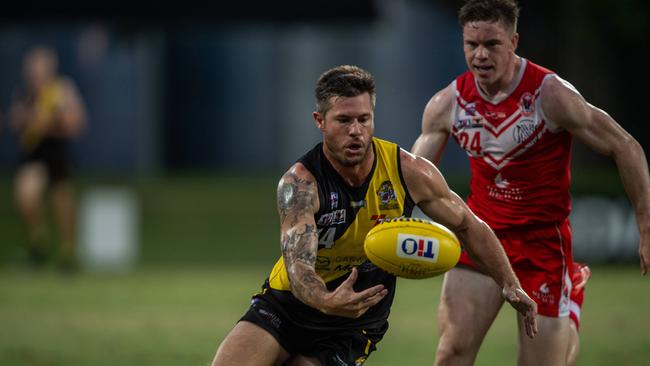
[(297, 201), (295, 196)]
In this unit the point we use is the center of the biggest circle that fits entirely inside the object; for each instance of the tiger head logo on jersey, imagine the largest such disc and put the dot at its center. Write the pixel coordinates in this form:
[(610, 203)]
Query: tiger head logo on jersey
[(526, 103), (387, 196)]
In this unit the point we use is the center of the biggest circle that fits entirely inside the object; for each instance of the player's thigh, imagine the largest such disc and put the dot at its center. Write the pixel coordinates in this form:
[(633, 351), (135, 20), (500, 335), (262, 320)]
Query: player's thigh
[(468, 305), (31, 181), (573, 349), (550, 345), (249, 345)]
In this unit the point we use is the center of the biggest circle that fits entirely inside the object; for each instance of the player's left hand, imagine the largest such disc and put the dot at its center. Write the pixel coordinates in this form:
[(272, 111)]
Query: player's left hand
[(520, 300)]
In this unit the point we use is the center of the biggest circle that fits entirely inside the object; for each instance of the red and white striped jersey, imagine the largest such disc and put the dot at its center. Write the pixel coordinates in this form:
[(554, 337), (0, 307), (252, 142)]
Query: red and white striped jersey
[(520, 161)]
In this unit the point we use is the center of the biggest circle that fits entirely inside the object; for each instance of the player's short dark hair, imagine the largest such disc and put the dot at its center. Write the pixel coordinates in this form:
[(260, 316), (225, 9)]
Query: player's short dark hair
[(343, 81), (505, 11)]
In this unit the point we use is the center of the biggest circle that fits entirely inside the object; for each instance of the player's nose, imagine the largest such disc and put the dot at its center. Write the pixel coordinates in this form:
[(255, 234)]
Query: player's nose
[(481, 52), (355, 128)]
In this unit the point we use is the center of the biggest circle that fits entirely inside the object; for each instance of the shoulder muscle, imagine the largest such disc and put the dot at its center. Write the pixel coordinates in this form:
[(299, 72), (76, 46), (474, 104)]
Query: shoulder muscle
[(297, 193), (437, 113)]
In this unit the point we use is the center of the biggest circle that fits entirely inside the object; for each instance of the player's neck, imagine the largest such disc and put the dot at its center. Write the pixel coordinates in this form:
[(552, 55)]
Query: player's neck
[(354, 175), (504, 85)]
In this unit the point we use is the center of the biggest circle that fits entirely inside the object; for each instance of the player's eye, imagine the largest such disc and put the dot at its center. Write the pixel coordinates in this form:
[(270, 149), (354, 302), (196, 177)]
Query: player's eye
[(364, 119)]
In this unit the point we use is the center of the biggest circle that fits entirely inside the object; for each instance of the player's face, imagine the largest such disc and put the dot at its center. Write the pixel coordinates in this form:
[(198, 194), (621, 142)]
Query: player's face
[(489, 51), (347, 128), (38, 70)]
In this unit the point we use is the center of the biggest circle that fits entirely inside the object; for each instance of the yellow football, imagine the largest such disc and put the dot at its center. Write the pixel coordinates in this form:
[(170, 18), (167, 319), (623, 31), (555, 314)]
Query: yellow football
[(412, 248)]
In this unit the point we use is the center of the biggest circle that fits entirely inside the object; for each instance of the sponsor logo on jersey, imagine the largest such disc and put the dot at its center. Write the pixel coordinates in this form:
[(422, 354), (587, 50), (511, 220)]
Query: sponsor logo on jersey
[(502, 192), (467, 123), (544, 288), (417, 247), (500, 182), (387, 196), (347, 262), (272, 318), (523, 130), (468, 118), (495, 114), (527, 104), (347, 267), (544, 295), (350, 259), (322, 262), (470, 109), (332, 218), (334, 200)]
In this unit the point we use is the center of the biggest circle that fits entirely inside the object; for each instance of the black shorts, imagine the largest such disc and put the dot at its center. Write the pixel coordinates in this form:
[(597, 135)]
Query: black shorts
[(53, 153), (332, 347)]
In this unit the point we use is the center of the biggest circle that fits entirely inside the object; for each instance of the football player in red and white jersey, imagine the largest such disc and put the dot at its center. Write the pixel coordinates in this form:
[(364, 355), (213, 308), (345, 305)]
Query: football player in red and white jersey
[(516, 121)]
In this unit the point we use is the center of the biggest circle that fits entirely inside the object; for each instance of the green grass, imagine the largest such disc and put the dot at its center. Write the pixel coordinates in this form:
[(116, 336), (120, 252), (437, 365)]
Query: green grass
[(158, 316)]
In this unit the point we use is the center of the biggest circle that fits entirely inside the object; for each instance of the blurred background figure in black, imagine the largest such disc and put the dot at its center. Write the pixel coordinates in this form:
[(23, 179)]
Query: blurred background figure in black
[(46, 112)]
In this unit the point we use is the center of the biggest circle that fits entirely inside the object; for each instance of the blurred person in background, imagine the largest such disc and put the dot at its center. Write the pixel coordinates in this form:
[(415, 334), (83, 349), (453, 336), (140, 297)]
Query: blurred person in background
[(47, 112), (516, 121)]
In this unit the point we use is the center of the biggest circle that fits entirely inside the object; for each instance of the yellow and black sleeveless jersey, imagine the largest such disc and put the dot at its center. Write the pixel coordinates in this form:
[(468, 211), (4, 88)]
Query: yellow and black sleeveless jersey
[(345, 216), (43, 145), (44, 105)]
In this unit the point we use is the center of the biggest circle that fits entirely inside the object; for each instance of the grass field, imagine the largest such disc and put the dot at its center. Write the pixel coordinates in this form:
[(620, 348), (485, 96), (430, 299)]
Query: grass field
[(158, 316), (206, 244)]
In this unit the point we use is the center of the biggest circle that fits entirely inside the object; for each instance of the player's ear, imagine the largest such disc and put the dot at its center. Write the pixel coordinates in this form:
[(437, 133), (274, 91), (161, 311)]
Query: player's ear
[(514, 39), (319, 120)]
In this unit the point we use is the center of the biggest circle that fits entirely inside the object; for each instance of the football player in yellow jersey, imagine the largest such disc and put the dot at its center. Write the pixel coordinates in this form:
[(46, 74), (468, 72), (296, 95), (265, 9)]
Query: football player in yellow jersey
[(46, 112), (324, 303)]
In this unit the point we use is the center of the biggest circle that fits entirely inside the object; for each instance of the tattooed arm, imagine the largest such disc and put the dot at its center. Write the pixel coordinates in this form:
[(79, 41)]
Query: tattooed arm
[(297, 199), (297, 204)]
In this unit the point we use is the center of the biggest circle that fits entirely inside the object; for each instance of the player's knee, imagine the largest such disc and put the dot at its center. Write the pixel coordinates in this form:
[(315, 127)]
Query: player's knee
[(452, 353), (454, 348)]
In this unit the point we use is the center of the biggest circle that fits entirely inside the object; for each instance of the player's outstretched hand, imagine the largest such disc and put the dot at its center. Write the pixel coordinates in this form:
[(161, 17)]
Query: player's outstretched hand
[(344, 301), (520, 300)]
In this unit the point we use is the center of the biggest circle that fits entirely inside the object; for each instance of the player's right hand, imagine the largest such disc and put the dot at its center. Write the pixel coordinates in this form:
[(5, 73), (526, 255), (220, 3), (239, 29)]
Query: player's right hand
[(520, 300), (344, 301)]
